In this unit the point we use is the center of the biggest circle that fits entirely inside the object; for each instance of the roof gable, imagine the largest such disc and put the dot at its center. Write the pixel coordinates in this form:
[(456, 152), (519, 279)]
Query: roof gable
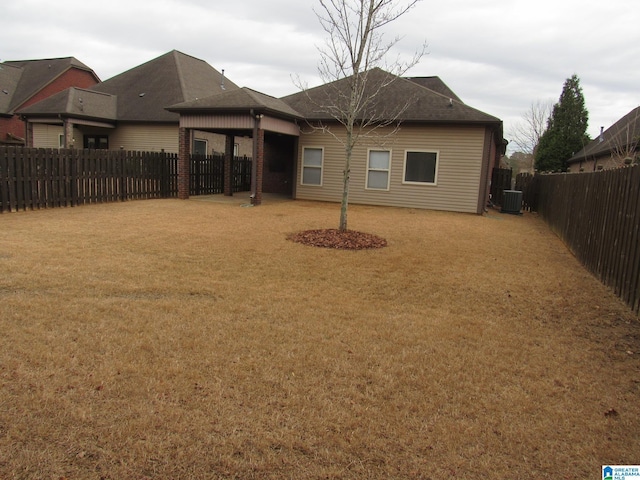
[(144, 91), (36, 74)]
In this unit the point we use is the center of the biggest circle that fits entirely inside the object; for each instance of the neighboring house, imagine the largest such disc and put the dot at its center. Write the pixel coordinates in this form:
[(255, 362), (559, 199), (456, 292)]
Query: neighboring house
[(128, 111), (438, 153), (25, 82), (615, 147)]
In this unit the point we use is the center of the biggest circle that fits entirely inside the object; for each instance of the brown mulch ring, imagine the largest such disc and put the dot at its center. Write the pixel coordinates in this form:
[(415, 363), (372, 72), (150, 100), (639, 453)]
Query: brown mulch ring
[(334, 238)]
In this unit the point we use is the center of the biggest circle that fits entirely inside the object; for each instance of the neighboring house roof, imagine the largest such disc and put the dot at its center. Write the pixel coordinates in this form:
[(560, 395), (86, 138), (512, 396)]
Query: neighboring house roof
[(391, 98), (76, 102), (622, 135), (25, 78), (9, 80), (435, 84), (144, 91), (239, 100)]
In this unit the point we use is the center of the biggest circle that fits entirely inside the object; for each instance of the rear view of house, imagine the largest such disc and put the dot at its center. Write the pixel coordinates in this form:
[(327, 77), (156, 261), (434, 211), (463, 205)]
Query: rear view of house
[(427, 149), (435, 153)]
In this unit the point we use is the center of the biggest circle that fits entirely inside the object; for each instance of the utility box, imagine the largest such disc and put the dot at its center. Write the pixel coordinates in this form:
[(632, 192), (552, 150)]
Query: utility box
[(512, 202)]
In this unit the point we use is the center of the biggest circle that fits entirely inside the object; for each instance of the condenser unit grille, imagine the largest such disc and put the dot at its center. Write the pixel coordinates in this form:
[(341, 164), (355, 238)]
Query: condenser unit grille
[(512, 202)]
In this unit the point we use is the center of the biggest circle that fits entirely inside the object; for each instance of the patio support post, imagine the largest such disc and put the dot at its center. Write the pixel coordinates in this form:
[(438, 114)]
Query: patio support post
[(259, 164), (184, 152), (228, 170), (257, 161)]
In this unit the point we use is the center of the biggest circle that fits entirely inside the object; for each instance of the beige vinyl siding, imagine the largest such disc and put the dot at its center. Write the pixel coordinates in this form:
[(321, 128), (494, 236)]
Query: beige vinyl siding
[(48, 136), (144, 137), (216, 143), (460, 151)]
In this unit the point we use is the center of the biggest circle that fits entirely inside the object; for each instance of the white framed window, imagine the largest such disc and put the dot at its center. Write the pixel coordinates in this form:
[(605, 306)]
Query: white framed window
[(312, 162), (421, 167), (378, 169)]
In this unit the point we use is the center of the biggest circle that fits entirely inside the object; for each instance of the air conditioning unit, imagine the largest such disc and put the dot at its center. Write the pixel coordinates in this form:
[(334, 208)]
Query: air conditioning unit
[(512, 202)]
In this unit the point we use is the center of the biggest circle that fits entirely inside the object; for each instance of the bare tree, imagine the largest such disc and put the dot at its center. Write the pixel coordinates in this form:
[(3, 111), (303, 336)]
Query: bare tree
[(354, 47), (625, 139), (525, 134)]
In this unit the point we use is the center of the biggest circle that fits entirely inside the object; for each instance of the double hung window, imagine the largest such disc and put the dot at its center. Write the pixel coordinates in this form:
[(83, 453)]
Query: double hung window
[(378, 169), (312, 160)]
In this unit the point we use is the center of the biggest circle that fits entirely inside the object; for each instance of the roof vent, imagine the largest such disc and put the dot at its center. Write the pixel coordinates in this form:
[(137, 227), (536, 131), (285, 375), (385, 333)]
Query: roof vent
[(222, 80), (141, 94), (601, 138)]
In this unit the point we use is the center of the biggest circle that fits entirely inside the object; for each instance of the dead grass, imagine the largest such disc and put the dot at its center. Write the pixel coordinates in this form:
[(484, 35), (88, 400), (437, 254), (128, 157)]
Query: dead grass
[(186, 339)]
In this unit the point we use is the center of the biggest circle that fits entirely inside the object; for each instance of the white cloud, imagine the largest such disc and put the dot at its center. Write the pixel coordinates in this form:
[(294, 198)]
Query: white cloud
[(498, 56)]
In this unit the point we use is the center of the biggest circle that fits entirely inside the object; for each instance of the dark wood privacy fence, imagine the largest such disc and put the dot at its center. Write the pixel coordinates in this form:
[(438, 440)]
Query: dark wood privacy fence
[(597, 215), (525, 183), (207, 174), (500, 181), (34, 178), (42, 178)]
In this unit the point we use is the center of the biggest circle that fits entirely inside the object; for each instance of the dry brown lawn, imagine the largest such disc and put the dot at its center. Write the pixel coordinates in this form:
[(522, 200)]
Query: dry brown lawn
[(191, 340)]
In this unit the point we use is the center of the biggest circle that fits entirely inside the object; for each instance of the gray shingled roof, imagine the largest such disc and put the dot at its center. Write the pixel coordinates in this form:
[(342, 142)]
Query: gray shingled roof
[(624, 131), (401, 99), (144, 91), (78, 103), (36, 74), (436, 84), (241, 99), (9, 80)]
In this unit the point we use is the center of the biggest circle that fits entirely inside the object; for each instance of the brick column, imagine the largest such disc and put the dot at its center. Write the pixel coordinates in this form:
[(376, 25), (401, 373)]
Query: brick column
[(28, 133), (259, 159), (228, 159), (68, 134), (184, 167)]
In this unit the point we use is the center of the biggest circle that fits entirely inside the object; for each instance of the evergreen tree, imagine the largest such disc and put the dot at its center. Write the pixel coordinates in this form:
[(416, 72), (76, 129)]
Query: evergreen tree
[(566, 129)]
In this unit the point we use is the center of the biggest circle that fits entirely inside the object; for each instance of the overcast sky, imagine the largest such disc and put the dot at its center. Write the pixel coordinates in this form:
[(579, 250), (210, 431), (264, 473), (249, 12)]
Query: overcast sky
[(499, 56)]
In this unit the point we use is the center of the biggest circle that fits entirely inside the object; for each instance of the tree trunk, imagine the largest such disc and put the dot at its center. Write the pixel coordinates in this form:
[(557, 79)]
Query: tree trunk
[(345, 184)]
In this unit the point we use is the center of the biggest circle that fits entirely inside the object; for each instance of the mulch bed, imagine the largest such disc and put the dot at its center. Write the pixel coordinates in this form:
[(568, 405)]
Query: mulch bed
[(334, 238)]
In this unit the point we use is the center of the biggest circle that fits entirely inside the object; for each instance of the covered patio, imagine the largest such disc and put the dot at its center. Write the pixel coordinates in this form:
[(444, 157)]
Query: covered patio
[(272, 125)]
